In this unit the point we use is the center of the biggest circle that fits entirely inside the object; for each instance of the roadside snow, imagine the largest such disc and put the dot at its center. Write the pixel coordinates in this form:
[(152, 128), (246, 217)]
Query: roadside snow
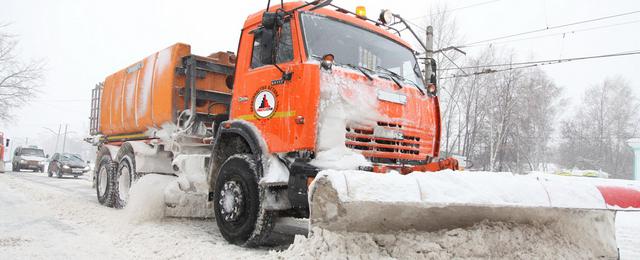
[(483, 241), (628, 234)]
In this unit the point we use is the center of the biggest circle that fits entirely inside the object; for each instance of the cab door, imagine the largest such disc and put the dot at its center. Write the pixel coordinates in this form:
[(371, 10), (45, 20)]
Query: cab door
[(265, 93)]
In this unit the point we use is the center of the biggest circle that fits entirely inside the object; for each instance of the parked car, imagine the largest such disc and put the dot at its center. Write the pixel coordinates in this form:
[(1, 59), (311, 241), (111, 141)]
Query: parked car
[(31, 158), (67, 164)]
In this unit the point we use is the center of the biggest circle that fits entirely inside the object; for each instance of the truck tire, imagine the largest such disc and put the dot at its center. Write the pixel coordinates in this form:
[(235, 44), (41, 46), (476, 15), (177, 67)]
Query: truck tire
[(104, 169), (124, 176), (237, 203)]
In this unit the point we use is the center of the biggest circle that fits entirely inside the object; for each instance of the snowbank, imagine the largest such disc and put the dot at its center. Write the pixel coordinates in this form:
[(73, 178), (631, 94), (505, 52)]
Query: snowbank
[(485, 240)]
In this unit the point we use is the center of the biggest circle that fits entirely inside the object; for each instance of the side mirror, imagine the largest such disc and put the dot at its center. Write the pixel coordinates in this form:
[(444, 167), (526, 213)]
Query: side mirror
[(88, 162), (270, 24), (267, 45), (47, 156), (229, 81), (7, 145)]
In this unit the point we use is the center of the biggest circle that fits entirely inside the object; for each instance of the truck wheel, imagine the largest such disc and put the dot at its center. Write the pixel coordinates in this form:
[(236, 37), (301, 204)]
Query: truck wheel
[(238, 203), (104, 169), (124, 177)]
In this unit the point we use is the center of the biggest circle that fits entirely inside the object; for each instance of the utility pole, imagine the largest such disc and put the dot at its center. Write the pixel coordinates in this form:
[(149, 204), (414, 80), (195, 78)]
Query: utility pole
[(58, 137), (64, 141), (428, 69)]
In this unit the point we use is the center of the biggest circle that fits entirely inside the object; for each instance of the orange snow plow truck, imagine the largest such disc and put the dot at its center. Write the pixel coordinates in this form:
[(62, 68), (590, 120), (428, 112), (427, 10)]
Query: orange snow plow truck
[(323, 114)]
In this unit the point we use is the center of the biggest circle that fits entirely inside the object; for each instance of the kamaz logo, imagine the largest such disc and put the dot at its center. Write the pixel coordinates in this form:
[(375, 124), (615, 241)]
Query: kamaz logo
[(277, 82)]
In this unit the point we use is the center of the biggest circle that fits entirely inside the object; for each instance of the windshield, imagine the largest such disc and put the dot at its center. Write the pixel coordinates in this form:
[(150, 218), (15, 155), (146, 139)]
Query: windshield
[(359, 47), (32, 152), (72, 158)]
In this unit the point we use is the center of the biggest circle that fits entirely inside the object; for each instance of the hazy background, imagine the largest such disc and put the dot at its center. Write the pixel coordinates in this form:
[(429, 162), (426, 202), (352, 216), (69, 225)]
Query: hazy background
[(84, 41)]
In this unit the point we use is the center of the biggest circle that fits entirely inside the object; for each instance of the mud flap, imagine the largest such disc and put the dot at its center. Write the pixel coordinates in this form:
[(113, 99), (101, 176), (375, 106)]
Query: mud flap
[(354, 201)]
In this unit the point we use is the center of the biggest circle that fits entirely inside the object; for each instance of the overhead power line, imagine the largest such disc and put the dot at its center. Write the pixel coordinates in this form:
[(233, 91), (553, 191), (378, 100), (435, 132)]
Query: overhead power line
[(548, 28), (555, 34), (487, 69), (454, 9)]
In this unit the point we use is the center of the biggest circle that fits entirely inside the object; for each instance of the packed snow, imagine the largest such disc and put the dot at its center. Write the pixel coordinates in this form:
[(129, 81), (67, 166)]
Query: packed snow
[(482, 241), (45, 218)]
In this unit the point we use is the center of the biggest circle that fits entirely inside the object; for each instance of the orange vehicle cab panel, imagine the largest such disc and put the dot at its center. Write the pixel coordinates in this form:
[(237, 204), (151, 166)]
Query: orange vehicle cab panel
[(284, 111)]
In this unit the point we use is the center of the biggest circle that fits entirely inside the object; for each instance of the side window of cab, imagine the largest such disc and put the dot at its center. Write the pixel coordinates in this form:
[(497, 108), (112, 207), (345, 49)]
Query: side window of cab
[(284, 47)]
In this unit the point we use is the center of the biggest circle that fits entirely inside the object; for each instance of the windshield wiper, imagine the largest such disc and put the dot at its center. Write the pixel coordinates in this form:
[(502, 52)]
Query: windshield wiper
[(396, 76), (392, 75), (361, 69)]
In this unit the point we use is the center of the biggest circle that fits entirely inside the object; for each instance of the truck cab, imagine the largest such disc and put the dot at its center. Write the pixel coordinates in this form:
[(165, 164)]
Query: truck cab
[(317, 89)]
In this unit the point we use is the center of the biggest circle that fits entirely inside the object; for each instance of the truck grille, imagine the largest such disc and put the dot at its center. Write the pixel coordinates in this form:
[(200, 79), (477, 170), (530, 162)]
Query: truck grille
[(414, 146)]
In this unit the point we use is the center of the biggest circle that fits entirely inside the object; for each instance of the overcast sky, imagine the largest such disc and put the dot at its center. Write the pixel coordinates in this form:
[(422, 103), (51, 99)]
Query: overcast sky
[(84, 41)]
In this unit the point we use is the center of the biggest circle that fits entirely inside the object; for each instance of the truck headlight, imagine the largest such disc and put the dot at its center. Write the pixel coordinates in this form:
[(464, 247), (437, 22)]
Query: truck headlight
[(66, 166)]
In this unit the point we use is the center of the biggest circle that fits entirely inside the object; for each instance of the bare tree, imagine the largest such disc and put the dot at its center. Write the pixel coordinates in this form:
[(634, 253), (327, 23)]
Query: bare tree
[(594, 138), (18, 80)]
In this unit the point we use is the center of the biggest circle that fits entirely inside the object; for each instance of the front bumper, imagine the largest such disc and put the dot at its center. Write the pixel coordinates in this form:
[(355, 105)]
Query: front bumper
[(74, 171), (31, 166)]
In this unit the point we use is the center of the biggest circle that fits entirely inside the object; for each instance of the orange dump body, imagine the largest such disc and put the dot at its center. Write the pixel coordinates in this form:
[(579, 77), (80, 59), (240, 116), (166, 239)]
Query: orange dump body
[(150, 92)]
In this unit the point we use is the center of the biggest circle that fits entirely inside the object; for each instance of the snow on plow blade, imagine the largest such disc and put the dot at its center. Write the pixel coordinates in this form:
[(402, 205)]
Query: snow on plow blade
[(356, 201)]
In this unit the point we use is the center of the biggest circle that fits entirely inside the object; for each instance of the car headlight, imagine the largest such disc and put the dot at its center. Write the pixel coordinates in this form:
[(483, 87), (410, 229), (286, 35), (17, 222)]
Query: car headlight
[(87, 168), (66, 166), (41, 163), (22, 161)]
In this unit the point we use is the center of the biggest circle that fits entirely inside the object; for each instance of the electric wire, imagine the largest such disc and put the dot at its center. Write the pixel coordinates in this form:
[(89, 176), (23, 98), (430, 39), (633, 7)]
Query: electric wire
[(548, 28), (487, 69)]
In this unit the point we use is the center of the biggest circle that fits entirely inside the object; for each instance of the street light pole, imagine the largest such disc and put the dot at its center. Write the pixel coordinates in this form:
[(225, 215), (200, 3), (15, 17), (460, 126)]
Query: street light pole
[(58, 138), (64, 141)]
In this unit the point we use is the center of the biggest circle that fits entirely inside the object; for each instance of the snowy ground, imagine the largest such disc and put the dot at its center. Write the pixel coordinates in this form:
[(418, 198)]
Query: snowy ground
[(43, 217)]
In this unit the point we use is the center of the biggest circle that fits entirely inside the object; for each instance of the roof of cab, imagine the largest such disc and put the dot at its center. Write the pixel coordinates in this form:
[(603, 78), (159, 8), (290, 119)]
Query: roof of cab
[(257, 18)]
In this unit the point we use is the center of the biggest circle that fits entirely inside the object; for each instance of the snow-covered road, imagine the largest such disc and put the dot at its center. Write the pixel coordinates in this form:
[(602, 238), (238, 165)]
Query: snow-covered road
[(53, 218)]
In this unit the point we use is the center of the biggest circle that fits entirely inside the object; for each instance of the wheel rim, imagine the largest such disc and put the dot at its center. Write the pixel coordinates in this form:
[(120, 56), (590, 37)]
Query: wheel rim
[(124, 182), (231, 201), (102, 180)]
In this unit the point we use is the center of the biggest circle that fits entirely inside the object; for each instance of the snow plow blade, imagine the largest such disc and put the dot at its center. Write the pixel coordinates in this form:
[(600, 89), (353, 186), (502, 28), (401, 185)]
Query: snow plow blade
[(356, 201)]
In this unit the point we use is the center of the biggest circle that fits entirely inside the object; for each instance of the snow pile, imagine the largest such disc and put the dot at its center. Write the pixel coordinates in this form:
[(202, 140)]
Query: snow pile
[(486, 240), (343, 103), (146, 198)]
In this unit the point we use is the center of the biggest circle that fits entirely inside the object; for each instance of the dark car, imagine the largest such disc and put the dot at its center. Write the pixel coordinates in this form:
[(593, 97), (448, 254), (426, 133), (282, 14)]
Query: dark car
[(67, 164), (31, 158)]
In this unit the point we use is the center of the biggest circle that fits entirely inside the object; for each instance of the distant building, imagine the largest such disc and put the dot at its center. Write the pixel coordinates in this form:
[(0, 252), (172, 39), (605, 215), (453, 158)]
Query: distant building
[(635, 144)]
